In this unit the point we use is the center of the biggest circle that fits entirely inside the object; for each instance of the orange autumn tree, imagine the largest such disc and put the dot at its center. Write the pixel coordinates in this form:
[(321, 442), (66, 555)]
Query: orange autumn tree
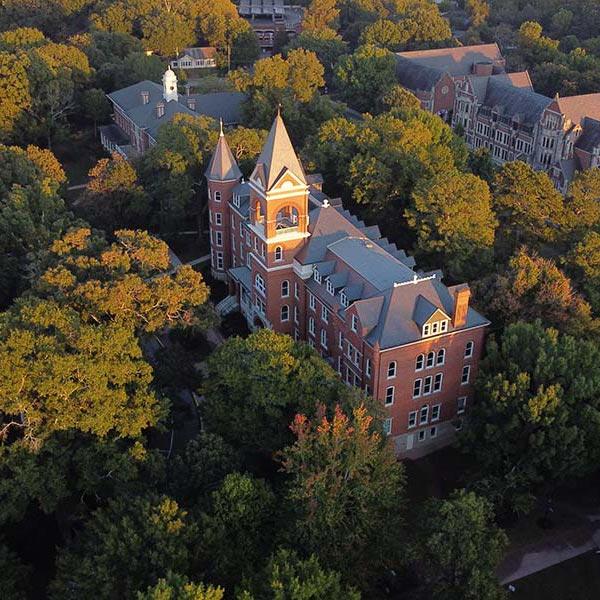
[(347, 488)]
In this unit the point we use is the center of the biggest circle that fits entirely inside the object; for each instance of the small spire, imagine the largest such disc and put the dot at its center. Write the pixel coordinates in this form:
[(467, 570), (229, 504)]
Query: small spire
[(221, 127), (279, 109)]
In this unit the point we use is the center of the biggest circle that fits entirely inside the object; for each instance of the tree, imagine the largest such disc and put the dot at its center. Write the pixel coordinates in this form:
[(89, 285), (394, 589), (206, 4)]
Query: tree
[(478, 11), (453, 217), (529, 207), (255, 386), (167, 32), (584, 261), (95, 106), (582, 204), (288, 577), (399, 99), (537, 418), (460, 547), (347, 490), (13, 575), (124, 282), (532, 288), (238, 530), (125, 547), (246, 145), (113, 196), (177, 587), (21, 38), (245, 50), (320, 15), (63, 374), (15, 96), (364, 76), (385, 33)]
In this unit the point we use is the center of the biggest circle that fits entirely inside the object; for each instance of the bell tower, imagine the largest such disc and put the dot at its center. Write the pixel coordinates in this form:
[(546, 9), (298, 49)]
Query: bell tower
[(170, 86), (222, 177)]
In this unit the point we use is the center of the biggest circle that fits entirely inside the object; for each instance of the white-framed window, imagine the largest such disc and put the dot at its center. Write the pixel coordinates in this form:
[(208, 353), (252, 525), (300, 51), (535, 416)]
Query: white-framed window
[(389, 395), (317, 275), (461, 405), (218, 219), (341, 340), (435, 327), (412, 419), (218, 238), (259, 284), (278, 253), (437, 382), (435, 412), (469, 348), (296, 291), (241, 229), (433, 432), (421, 435), (285, 313), (330, 288), (420, 362), (217, 196), (324, 338), (458, 425), (391, 371), (368, 368), (262, 250), (285, 288), (387, 426), (255, 244), (417, 387), (426, 331), (325, 314), (248, 242), (427, 383), (423, 414), (312, 303), (441, 357), (296, 315), (344, 300), (466, 373), (430, 360), (219, 260), (354, 324), (311, 326)]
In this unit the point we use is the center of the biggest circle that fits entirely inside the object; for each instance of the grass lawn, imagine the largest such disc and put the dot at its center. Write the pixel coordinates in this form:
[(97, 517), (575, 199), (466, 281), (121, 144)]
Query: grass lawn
[(575, 579)]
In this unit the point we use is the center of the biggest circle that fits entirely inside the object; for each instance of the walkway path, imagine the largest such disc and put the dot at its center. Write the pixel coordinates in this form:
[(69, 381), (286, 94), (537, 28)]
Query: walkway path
[(561, 546)]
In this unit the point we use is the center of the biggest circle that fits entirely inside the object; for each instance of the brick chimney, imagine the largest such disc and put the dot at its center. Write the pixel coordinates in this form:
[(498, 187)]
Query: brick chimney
[(462, 293), (483, 69)]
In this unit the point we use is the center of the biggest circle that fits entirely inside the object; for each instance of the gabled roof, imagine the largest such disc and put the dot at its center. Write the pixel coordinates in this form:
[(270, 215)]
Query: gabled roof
[(415, 76), (199, 53), (516, 102), (590, 138), (456, 61), (576, 108), (520, 80), (222, 166), (279, 155)]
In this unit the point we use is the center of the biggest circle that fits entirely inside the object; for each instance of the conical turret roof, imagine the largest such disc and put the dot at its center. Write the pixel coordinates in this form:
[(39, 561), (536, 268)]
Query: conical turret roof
[(277, 155), (223, 166)]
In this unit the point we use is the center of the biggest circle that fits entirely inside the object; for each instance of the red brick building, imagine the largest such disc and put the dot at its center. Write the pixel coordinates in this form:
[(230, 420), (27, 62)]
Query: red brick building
[(298, 263)]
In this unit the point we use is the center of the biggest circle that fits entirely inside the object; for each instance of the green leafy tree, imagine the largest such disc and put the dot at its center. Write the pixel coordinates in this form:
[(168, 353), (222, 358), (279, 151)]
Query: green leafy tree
[(14, 575), (364, 76), (21, 38), (453, 217), (167, 32), (347, 490), (582, 204), (123, 282), (177, 587), (321, 15), (459, 547), (385, 33), (536, 420), (126, 547), (398, 98), (238, 530), (255, 386), (15, 95), (584, 262), (288, 577), (478, 11), (95, 106), (245, 49)]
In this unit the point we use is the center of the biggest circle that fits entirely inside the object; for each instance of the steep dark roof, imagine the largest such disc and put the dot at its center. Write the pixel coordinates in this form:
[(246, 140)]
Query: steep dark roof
[(222, 166), (513, 101), (415, 76), (590, 138)]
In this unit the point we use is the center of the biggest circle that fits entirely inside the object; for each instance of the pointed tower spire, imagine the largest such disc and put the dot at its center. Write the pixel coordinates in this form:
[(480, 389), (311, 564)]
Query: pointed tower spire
[(278, 155), (221, 134), (223, 166)]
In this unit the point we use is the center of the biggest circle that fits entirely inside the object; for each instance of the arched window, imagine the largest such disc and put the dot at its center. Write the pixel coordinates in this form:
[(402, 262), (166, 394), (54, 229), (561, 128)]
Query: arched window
[(430, 360), (286, 217), (420, 362), (259, 284), (391, 372), (278, 253), (285, 289), (441, 357), (285, 313)]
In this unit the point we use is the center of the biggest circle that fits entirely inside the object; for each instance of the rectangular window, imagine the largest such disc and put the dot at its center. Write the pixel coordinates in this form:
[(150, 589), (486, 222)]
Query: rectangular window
[(325, 314), (368, 367), (437, 382), (423, 415), (466, 373), (461, 405), (341, 340), (296, 293), (412, 419), (241, 229), (311, 301), (469, 349), (311, 326), (433, 432), (435, 412), (219, 260), (417, 388), (324, 338), (296, 315), (427, 382), (391, 370), (389, 395), (387, 426), (218, 238), (218, 219), (421, 436), (354, 325)]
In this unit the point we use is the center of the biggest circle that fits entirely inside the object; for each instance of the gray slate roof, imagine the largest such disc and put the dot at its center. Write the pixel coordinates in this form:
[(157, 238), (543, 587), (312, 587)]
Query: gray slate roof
[(590, 138), (415, 76), (222, 166), (515, 102)]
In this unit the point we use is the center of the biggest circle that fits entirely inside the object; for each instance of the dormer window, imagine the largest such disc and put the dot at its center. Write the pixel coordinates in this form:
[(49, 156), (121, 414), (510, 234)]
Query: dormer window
[(435, 328), (344, 300), (330, 288), (145, 97), (160, 110), (236, 201), (317, 275)]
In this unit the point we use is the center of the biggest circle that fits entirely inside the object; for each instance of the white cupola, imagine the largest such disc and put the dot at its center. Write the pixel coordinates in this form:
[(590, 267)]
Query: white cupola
[(170, 86)]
